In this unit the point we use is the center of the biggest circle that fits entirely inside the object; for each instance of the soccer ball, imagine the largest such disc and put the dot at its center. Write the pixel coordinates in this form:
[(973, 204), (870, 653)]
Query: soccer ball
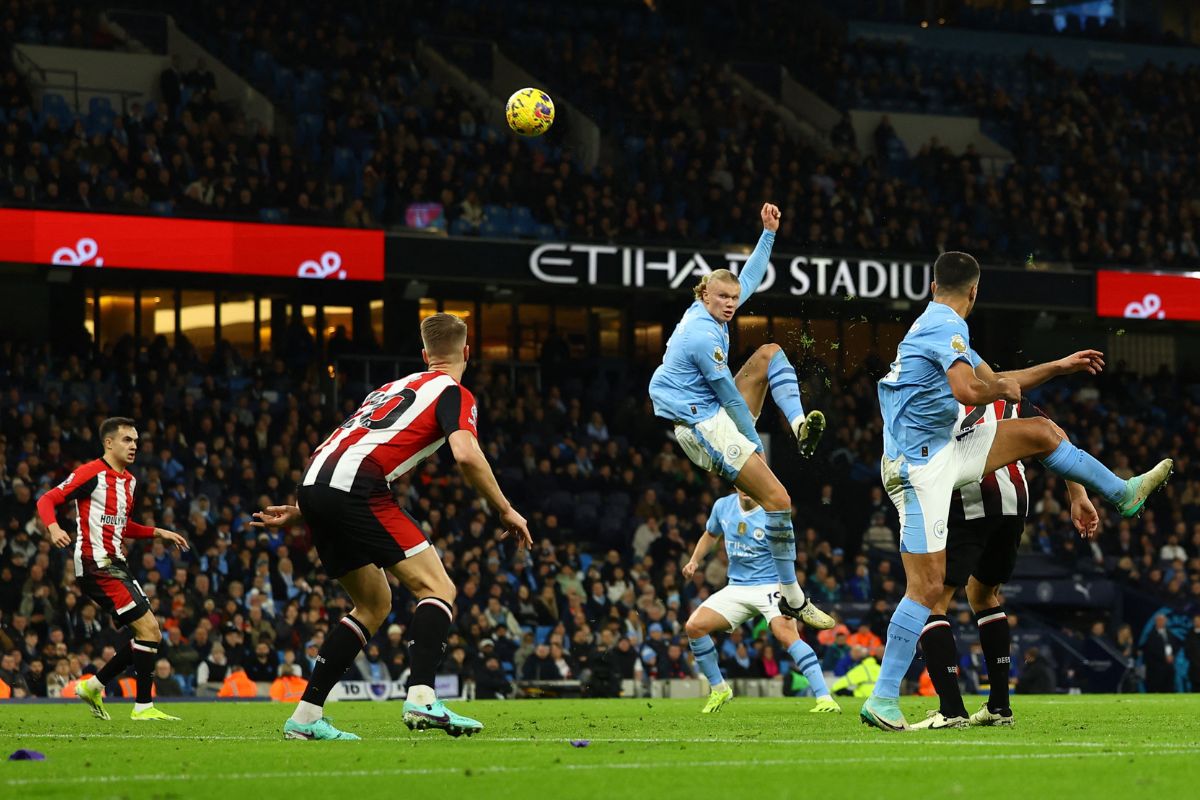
[(530, 112)]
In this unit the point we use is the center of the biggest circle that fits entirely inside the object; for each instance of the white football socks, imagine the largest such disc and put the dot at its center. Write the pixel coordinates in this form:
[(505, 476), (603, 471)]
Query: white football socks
[(307, 713), (422, 695), (793, 594)]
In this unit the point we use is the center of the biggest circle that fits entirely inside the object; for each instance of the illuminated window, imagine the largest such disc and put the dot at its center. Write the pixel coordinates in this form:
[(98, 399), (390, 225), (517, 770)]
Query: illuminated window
[(237, 322), (428, 307), (825, 341), (89, 315), (309, 314), (496, 320), (197, 320), (572, 324), (648, 341), (609, 320), (116, 316), (753, 333), (264, 325), (464, 310), (533, 322), (338, 317), (158, 315), (377, 320)]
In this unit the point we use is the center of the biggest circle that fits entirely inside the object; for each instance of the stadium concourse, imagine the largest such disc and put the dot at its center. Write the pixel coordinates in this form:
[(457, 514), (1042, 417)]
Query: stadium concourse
[(614, 508)]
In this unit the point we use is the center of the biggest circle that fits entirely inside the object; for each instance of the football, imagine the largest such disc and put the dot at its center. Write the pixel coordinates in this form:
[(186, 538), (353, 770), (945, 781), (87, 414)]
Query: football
[(530, 112)]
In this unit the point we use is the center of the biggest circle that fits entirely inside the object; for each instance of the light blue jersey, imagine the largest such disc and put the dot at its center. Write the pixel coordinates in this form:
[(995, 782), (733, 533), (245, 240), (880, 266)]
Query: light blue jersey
[(745, 532), (694, 380), (918, 407)]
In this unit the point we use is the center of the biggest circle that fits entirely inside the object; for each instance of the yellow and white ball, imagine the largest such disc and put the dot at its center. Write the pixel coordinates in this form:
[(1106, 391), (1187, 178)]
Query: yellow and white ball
[(530, 112)]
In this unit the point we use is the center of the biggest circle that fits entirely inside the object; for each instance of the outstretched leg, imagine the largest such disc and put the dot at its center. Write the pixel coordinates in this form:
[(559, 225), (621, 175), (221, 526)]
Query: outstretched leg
[(1038, 437), (700, 625)]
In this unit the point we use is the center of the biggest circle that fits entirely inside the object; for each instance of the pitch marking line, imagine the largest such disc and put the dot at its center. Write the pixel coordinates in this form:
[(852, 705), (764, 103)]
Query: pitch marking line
[(578, 767), (907, 740)]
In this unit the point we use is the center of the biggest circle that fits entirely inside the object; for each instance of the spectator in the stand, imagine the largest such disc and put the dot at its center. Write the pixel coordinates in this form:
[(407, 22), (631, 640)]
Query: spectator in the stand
[(1191, 649), (1036, 675), (171, 83), (540, 666), (842, 134), (1158, 654), (165, 684)]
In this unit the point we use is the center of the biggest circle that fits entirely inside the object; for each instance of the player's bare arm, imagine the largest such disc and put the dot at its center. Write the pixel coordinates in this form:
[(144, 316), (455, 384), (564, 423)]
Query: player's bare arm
[(1090, 360), (171, 538), (478, 474), (703, 548), (973, 389)]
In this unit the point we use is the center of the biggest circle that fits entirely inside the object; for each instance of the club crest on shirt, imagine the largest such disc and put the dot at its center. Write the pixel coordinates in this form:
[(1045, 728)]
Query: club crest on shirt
[(718, 355), (732, 452), (759, 534), (958, 343), (939, 529), (741, 529)]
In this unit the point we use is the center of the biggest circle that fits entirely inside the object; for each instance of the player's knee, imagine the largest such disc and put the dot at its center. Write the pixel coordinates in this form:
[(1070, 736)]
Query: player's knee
[(1045, 437), (777, 499), (693, 629), (767, 351)]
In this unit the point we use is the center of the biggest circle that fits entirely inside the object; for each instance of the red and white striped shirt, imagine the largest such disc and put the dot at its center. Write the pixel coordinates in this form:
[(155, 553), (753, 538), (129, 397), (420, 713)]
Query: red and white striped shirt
[(397, 427), (1003, 492), (103, 500)]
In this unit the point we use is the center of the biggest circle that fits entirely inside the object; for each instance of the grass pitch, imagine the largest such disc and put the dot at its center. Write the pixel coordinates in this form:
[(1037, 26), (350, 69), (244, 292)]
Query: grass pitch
[(1127, 746)]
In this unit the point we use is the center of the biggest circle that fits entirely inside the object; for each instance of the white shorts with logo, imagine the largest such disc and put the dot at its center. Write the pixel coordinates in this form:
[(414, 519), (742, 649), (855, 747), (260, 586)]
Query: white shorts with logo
[(737, 604), (922, 492), (716, 445)]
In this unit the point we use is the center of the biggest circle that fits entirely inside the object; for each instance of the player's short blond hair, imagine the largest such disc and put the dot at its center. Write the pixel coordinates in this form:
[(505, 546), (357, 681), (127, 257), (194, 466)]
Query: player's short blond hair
[(723, 275), (443, 334)]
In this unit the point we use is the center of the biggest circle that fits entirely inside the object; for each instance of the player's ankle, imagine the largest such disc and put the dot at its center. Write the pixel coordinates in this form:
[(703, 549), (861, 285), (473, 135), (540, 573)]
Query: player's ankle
[(422, 695), (140, 707), (307, 713), (723, 686), (821, 698), (793, 594)]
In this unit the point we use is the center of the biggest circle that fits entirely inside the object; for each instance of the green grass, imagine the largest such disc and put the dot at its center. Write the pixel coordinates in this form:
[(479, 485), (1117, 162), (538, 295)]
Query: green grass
[(1126, 746)]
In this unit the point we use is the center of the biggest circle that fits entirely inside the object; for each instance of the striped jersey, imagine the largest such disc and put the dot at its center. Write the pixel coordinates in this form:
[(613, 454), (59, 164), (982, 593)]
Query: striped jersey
[(397, 427), (1003, 492), (103, 500)]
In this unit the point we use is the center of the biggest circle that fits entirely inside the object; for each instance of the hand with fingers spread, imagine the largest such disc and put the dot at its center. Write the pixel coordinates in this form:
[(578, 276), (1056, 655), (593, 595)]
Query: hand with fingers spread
[(278, 517), (171, 538), (1090, 360)]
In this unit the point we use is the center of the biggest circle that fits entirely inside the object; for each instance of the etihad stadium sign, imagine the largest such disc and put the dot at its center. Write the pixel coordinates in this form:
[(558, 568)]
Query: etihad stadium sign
[(636, 267)]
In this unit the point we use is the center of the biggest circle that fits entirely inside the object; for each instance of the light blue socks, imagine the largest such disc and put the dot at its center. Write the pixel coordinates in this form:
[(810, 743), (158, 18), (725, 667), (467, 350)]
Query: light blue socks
[(902, 635)]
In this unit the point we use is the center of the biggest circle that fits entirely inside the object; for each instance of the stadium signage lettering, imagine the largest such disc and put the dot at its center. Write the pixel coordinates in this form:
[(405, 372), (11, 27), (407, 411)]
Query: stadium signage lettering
[(235, 248), (636, 267)]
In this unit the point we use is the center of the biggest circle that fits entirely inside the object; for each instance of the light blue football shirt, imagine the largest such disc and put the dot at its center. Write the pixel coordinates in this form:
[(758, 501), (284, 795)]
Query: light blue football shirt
[(918, 407), (698, 351), (745, 532)]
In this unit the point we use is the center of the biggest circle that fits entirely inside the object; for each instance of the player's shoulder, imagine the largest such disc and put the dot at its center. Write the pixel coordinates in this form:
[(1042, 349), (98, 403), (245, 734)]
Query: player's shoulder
[(723, 504)]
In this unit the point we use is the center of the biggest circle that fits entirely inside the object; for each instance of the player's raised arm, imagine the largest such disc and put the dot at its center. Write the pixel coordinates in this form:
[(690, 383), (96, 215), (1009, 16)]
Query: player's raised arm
[(755, 268), (971, 390), (478, 474), (1030, 377)]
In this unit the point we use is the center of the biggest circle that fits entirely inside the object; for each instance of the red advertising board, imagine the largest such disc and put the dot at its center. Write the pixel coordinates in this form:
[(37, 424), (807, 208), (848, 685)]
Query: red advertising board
[(184, 245), (1148, 295)]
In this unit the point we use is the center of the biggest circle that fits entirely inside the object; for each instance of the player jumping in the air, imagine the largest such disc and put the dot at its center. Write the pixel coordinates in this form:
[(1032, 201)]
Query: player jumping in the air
[(102, 492), (714, 413), (360, 531), (753, 590), (987, 519), (925, 458)]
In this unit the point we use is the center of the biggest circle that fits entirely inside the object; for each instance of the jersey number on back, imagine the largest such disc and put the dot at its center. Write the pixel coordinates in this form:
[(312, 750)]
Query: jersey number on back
[(380, 411)]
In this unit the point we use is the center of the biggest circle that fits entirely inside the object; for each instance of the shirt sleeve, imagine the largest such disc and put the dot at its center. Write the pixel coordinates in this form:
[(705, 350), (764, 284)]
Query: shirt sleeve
[(755, 269), (706, 353), (456, 411), (136, 530), (713, 525), (77, 484), (949, 343)]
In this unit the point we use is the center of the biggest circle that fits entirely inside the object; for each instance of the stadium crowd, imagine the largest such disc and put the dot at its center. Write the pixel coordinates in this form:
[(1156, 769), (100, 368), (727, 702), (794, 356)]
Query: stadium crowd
[(614, 508), (1104, 172)]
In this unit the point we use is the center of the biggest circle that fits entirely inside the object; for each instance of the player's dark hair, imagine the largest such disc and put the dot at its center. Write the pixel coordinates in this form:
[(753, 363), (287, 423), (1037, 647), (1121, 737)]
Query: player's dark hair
[(110, 426), (955, 272)]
